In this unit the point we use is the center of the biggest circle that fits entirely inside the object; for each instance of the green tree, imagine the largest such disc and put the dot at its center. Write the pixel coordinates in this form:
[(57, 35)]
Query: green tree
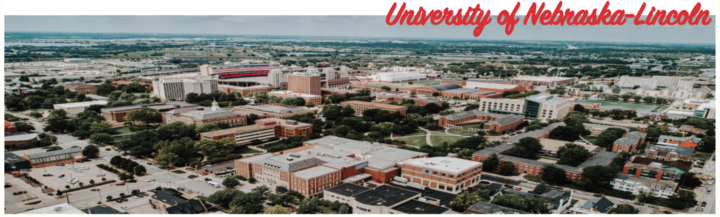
[(539, 189), (230, 182), (436, 94), (599, 175), (579, 108), (506, 168), (261, 190), (100, 127), (347, 111), (277, 209), (532, 205), (309, 206), (101, 138), (573, 156), (250, 203), (224, 197), (553, 174), (491, 163), (624, 209), (525, 148), (280, 189), (466, 199), (57, 121), (91, 151)]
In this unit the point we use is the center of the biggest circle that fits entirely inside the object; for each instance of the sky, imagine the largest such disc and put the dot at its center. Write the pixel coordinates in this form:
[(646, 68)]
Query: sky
[(355, 26)]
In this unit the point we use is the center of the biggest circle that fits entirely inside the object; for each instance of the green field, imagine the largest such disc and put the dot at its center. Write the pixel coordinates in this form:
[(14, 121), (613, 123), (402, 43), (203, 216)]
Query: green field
[(392, 86), (246, 150), (437, 140), (639, 108), (703, 155), (591, 139), (426, 82), (416, 141), (462, 132), (121, 130)]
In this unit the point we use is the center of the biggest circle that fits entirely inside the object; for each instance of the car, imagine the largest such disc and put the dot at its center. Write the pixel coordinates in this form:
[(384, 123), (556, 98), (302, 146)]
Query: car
[(140, 196), (625, 201), (652, 206), (597, 195), (120, 184), (228, 168), (150, 180), (61, 175), (50, 194), (208, 179), (149, 163), (125, 154), (62, 165), (47, 174), (108, 149), (161, 167), (124, 199), (19, 192), (703, 203), (517, 189), (639, 204), (522, 180), (132, 181), (582, 192), (8, 185), (145, 194), (119, 200), (270, 204), (709, 190), (534, 183), (209, 165), (94, 189), (702, 209), (136, 197)]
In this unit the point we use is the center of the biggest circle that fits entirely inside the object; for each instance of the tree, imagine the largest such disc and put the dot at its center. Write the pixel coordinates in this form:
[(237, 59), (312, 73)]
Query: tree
[(539, 189), (553, 174), (224, 197), (277, 209), (92, 182), (573, 156), (57, 121), (100, 127), (24, 127), (436, 94), (13, 103), (599, 175), (608, 137), (250, 203), (261, 190), (619, 161), (308, 207), (344, 209), (105, 89), (230, 182), (347, 111), (280, 189), (579, 108), (251, 118), (491, 163), (682, 200), (689, 180), (101, 138), (466, 199), (506, 168), (525, 148), (624, 209), (167, 158), (91, 151), (532, 205)]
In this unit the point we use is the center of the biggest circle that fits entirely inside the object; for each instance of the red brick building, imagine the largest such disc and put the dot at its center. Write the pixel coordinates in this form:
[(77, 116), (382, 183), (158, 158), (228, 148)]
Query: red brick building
[(490, 121), (442, 173), (10, 128)]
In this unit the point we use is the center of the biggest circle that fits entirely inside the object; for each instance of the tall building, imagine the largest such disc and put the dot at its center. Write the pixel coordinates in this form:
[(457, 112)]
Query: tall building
[(304, 83), (177, 88), (329, 76), (239, 70), (545, 106), (442, 173)]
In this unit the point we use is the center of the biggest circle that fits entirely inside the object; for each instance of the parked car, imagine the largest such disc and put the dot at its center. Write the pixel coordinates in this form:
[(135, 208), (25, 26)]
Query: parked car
[(639, 204), (228, 168), (149, 163), (108, 149), (625, 201), (701, 209), (120, 184), (652, 206), (517, 189), (47, 174), (150, 180), (208, 179), (61, 175), (50, 194), (145, 193), (582, 192), (523, 181), (534, 183), (119, 200), (709, 190), (209, 165), (132, 181), (62, 165), (703, 204), (597, 195), (136, 197), (19, 192), (8, 185), (124, 199), (161, 167)]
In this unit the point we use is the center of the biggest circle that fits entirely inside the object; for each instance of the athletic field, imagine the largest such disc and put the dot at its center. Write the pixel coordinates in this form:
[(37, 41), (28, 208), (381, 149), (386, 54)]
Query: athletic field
[(639, 108)]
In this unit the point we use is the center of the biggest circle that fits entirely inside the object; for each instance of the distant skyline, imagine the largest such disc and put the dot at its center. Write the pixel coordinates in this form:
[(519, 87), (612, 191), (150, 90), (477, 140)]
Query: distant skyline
[(354, 26)]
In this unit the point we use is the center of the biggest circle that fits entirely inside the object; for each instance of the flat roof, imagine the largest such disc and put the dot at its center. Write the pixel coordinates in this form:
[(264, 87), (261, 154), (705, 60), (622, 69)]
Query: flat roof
[(446, 164), (20, 137), (385, 195), (236, 130), (63, 208), (54, 153), (290, 93), (314, 172), (347, 189), (374, 104), (417, 207), (474, 84), (79, 104), (255, 158), (541, 78), (272, 108)]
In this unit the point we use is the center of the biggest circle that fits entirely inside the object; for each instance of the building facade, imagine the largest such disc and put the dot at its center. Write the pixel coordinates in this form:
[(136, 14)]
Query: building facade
[(360, 106), (178, 88), (304, 83), (442, 173)]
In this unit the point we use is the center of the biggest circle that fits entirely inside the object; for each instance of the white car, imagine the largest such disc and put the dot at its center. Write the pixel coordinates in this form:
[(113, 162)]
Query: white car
[(625, 201), (581, 192), (150, 180), (534, 183)]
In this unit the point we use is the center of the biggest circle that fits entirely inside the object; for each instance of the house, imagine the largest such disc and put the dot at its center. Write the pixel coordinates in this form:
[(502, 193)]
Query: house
[(635, 185), (558, 200), (596, 205), (171, 201), (668, 153)]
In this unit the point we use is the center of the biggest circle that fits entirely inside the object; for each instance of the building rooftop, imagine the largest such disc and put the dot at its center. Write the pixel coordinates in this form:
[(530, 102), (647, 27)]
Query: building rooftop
[(375, 105), (169, 196), (291, 93), (290, 162), (385, 195), (102, 209), (626, 141), (464, 90), (79, 104), (176, 104), (63, 208), (347, 189), (17, 137), (540, 78), (417, 207), (190, 207), (255, 158), (475, 85), (682, 151), (602, 204), (490, 208), (236, 130), (314, 172), (445, 164), (54, 153), (636, 135), (681, 165), (602, 126), (276, 108), (445, 87)]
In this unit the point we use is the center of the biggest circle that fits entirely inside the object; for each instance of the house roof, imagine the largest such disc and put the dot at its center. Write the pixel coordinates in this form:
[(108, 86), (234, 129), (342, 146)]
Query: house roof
[(102, 210), (602, 204), (490, 208), (190, 207), (688, 144), (290, 162), (170, 196), (682, 165), (20, 137), (682, 151), (626, 141)]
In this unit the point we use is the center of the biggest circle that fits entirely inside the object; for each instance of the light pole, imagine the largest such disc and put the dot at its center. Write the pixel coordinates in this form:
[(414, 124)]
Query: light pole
[(99, 196)]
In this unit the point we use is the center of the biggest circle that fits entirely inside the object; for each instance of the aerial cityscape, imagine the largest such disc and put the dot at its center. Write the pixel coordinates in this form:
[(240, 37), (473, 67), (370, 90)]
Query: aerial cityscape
[(182, 123)]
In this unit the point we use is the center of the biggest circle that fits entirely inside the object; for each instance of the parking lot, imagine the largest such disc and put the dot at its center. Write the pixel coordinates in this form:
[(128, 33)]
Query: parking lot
[(79, 173), (221, 167), (13, 199)]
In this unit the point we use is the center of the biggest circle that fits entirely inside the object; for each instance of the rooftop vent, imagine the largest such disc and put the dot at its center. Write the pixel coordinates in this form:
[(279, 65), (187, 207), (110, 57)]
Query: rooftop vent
[(295, 155), (290, 159)]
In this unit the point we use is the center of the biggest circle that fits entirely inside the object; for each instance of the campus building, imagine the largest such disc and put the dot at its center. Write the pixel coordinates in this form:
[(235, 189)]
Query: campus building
[(668, 153), (117, 114), (629, 142), (360, 106), (330, 77), (75, 108), (14, 139), (541, 106), (304, 83), (383, 199), (239, 70), (271, 110), (495, 87), (442, 173), (400, 99), (596, 205), (635, 185), (177, 87), (244, 91), (490, 121), (204, 115), (83, 88), (316, 99), (263, 130), (10, 128), (597, 129), (550, 82), (646, 168), (451, 90), (171, 201), (54, 157), (557, 200)]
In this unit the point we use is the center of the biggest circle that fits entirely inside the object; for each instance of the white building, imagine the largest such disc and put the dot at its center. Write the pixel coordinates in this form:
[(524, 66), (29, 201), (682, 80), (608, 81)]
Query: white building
[(635, 185), (329, 76), (630, 82), (73, 109), (442, 173), (177, 88), (541, 106), (705, 110)]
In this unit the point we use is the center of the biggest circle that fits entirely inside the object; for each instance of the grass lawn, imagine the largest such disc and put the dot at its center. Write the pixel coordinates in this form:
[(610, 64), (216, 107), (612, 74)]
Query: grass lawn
[(122, 130), (416, 133), (327, 210), (462, 132), (416, 141), (573, 202), (178, 171), (591, 139), (532, 178), (471, 126), (267, 146), (192, 176), (437, 140), (703, 155), (639, 108), (121, 138), (620, 194)]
